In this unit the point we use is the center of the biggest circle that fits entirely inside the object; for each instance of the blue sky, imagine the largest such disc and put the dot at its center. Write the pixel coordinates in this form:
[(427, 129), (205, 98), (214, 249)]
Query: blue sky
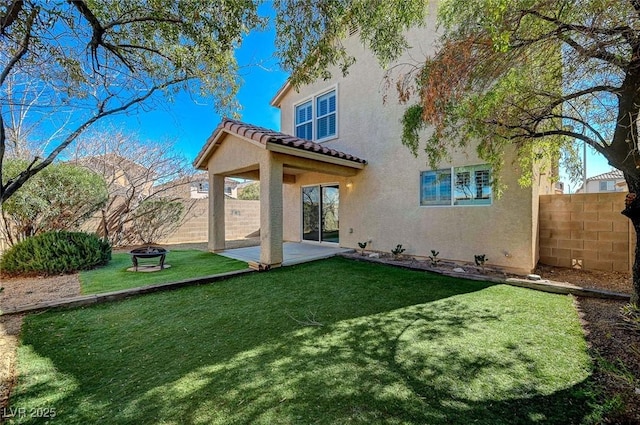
[(189, 123)]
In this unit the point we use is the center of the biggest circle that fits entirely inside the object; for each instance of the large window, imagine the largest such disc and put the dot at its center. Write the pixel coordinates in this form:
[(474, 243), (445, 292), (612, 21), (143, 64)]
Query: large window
[(469, 185), (316, 119)]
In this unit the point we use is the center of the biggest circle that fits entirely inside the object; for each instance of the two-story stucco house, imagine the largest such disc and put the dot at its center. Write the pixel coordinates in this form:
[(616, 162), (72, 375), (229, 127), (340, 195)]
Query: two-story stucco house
[(611, 181), (337, 173)]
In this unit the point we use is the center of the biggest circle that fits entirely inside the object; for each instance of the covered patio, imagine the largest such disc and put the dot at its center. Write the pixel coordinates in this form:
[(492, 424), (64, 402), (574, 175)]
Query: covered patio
[(241, 150)]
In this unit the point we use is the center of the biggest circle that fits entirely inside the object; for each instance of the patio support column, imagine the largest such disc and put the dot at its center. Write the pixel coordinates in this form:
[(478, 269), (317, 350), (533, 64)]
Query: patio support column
[(216, 212), (271, 175)]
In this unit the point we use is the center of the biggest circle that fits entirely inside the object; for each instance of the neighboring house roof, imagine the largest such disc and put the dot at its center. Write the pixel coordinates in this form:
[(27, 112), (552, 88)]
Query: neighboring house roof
[(114, 160), (611, 175), (264, 136)]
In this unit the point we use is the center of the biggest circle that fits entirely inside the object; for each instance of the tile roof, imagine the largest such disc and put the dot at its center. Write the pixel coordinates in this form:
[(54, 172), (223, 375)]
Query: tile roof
[(264, 135), (611, 175)]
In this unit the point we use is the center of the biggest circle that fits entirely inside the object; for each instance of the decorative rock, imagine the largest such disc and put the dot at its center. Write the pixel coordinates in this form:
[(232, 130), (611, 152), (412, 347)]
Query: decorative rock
[(459, 270), (533, 277), (374, 255)]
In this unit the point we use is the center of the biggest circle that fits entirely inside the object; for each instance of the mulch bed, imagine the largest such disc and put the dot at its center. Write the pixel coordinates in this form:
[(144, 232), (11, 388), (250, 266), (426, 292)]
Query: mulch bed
[(616, 353)]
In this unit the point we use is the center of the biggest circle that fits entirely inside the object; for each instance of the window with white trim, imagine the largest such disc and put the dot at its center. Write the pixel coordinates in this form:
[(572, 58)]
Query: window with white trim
[(316, 119), (469, 185)]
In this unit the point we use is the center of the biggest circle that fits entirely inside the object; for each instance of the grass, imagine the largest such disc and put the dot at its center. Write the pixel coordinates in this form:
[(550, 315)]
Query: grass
[(185, 264), (329, 342)]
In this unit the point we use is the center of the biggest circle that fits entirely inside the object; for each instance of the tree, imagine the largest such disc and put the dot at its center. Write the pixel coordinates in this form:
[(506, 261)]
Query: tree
[(88, 60), (137, 173), (250, 192), (523, 76), (61, 197)]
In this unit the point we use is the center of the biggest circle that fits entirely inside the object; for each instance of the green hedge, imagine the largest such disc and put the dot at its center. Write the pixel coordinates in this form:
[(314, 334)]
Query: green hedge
[(54, 253)]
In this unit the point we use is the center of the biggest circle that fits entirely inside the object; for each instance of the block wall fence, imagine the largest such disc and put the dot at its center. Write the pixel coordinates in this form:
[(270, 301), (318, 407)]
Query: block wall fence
[(586, 229), (242, 219)]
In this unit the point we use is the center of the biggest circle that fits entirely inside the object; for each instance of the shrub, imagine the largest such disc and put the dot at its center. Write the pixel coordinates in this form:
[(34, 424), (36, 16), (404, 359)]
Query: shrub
[(55, 253), (60, 197), (398, 250)]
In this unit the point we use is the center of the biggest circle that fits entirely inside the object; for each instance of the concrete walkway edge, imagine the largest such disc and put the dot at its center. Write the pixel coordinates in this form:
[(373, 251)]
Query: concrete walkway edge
[(85, 300)]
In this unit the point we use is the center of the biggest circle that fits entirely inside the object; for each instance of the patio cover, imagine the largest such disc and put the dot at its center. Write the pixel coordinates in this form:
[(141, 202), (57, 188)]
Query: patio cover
[(237, 149)]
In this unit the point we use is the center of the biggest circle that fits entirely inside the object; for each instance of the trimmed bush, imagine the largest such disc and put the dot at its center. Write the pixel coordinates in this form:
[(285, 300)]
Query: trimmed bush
[(54, 253)]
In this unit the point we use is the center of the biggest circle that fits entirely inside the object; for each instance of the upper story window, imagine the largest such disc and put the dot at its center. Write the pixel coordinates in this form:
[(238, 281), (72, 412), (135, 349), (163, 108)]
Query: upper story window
[(607, 186), (304, 121), (316, 119), (469, 185)]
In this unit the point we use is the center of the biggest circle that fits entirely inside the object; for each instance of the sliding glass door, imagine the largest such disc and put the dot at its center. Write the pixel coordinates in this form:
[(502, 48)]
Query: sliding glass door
[(320, 217)]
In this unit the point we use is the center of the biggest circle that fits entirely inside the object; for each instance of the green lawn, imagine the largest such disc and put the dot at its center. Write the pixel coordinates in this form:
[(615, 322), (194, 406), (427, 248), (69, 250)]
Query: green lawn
[(394, 347), (184, 265)]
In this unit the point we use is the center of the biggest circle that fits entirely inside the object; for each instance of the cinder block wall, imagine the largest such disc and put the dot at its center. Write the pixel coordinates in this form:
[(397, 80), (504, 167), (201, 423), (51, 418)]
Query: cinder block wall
[(586, 228), (242, 219)]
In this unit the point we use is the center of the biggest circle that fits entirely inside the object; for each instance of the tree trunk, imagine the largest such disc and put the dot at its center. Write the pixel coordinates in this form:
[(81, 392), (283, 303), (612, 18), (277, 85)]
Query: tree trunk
[(632, 210)]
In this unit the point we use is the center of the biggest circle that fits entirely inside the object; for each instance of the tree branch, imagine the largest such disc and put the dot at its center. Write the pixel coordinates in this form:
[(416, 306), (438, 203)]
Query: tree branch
[(115, 23), (97, 30), (586, 30), (148, 49), (575, 95), (24, 47), (530, 133), (12, 14), (3, 141), (15, 183), (595, 53)]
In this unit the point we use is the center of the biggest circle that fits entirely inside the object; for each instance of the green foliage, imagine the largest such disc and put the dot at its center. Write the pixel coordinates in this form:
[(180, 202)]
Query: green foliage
[(309, 33), (480, 260), (412, 123), (158, 41), (53, 253), (250, 192), (67, 58), (60, 197), (524, 80), (398, 250), (157, 218), (362, 246), (434, 258)]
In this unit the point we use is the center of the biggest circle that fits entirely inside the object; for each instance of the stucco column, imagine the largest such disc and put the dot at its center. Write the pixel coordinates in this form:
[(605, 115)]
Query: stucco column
[(216, 212), (271, 211)]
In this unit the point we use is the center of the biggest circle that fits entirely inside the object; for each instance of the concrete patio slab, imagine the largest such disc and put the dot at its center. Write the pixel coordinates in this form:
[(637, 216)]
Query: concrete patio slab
[(294, 253)]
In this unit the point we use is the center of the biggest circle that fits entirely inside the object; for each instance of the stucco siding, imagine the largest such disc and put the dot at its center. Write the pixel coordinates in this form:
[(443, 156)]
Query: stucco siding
[(382, 202), (235, 154)]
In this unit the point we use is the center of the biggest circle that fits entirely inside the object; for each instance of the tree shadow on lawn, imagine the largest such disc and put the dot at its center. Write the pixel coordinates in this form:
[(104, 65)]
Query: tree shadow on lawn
[(407, 348)]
